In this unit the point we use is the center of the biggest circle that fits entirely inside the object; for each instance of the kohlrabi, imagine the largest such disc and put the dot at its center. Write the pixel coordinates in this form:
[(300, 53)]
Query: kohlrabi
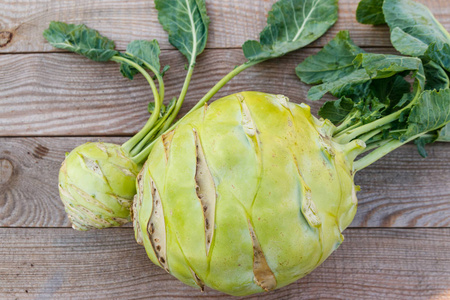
[(252, 192), (96, 180)]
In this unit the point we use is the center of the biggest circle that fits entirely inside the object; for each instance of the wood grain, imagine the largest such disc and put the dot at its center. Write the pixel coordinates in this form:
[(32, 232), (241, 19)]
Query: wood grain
[(401, 190), (65, 94), (370, 264), (232, 22)]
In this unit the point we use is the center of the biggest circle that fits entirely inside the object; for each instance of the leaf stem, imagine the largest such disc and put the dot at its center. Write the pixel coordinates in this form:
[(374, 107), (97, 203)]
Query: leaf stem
[(376, 144), (154, 131), (380, 152), (346, 123), (129, 145), (373, 133), (180, 100)]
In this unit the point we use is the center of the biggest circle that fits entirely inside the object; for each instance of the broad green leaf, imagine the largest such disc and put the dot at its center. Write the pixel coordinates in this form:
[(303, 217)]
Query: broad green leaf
[(370, 12), (413, 26), (334, 61), (440, 53), (384, 66), (146, 51), (336, 111), (141, 52), (186, 22), (444, 134), (292, 24), (369, 66), (406, 43), (431, 112), (437, 78), (80, 39), (344, 86), (390, 90)]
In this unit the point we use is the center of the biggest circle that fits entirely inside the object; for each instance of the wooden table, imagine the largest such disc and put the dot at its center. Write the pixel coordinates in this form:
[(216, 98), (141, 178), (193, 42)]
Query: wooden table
[(398, 246)]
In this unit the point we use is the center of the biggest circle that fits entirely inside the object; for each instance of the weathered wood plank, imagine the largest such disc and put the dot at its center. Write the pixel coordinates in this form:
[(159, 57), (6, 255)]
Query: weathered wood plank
[(65, 94), (370, 264), (232, 21), (401, 190)]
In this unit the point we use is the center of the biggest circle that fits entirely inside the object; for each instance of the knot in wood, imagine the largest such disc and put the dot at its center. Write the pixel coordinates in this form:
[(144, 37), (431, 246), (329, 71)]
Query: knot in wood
[(6, 170), (5, 38)]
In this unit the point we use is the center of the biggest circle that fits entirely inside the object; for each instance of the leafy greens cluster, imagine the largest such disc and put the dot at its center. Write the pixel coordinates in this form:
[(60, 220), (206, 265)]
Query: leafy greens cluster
[(377, 104), (292, 24)]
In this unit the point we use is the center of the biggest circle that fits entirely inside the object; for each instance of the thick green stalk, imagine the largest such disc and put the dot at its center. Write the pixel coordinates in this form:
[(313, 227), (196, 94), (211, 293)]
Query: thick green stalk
[(160, 80), (152, 133), (346, 123), (380, 152), (129, 145), (373, 133), (180, 100), (350, 135), (376, 144)]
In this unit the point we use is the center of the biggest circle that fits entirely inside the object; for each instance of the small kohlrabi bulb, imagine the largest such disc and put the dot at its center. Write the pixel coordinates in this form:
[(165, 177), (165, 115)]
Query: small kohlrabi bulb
[(97, 186)]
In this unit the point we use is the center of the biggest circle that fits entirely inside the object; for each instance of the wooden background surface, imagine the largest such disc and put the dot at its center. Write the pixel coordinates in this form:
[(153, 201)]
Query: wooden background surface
[(50, 101)]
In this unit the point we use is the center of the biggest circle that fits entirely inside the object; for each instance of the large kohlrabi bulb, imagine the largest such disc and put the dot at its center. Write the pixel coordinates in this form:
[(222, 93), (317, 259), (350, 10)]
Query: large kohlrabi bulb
[(97, 183), (246, 195)]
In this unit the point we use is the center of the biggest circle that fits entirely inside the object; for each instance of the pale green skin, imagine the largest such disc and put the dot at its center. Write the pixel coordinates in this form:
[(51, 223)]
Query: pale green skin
[(97, 183), (261, 186)]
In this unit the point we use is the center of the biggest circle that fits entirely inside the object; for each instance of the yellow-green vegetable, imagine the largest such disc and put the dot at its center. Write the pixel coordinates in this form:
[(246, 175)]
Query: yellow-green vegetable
[(245, 195), (97, 185)]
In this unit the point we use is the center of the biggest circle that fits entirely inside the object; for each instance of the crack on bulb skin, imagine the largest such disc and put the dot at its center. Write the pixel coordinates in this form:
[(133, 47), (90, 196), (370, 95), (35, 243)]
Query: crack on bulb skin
[(91, 200), (92, 165), (124, 202), (308, 208), (125, 171), (167, 142), (156, 228), (247, 121), (264, 276), (83, 218), (252, 133), (206, 192), (197, 280), (137, 204), (283, 100)]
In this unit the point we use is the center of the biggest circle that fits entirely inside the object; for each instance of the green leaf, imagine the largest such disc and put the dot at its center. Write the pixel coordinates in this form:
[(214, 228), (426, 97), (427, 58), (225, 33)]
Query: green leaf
[(440, 53), (344, 86), (413, 27), (164, 109), (444, 134), (437, 78), (369, 66), (334, 61), (141, 52), (390, 90), (370, 12), (151, 108), (146, 51), (80, 39), (431, 112), (384, 66), (292, 24), (186, 22), (164, 70), (421, 142), (336, 111)]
